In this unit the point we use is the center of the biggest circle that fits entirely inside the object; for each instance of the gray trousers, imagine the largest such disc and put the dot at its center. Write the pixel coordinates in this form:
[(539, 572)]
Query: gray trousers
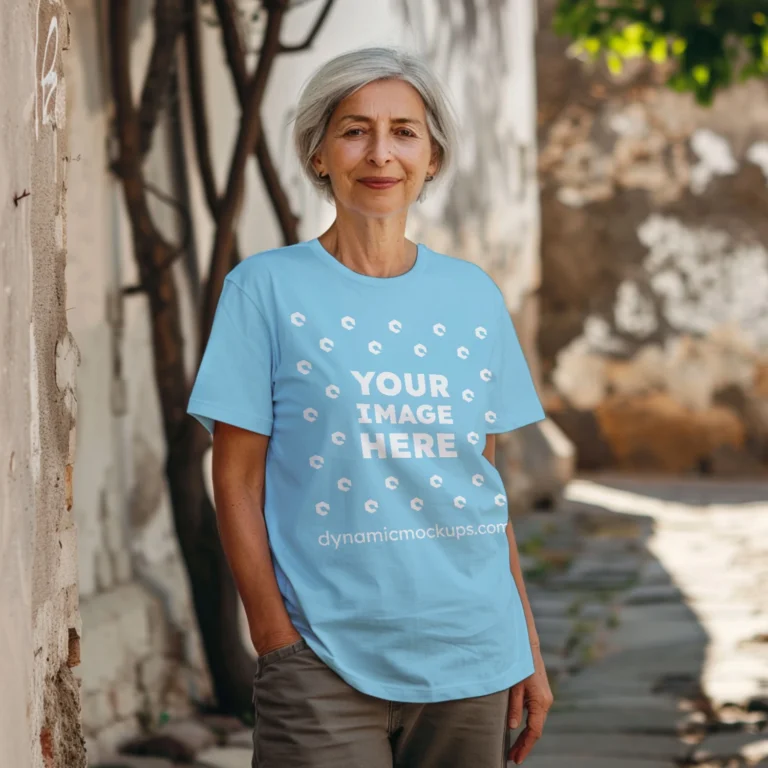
[(308, 717)]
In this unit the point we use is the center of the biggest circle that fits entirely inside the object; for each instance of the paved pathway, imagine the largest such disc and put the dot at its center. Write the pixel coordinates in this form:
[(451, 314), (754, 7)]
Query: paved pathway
[(666, 663), (652, 605)]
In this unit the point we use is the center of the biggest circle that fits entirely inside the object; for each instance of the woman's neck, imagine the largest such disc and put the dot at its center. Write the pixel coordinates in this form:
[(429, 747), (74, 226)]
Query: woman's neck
[(377, 248)]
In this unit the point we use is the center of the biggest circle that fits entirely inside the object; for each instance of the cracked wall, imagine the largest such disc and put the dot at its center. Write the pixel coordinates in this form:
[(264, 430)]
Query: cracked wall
[(654, 324), (40, 631)]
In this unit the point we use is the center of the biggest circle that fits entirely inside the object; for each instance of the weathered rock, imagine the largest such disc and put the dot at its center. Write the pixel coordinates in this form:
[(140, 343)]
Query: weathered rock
[(242, 739), (593, 451), (226, 757), (535, 462), (549, 460), (126, 761), (178, 741), (632, 428), (194, 734), (109, 740), (222, 724), (160, 746)]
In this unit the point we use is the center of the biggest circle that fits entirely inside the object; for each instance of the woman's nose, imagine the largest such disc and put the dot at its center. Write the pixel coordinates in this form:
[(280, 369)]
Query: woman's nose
[(380, 150)]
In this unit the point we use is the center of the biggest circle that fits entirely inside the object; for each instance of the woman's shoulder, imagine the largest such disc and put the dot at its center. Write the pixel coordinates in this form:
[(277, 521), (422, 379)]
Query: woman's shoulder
[(472, 276), (266, 266)]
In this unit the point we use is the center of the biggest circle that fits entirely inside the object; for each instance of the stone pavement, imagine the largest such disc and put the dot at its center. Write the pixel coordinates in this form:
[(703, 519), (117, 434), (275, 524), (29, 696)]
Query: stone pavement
[(651, 601), (665, 662)]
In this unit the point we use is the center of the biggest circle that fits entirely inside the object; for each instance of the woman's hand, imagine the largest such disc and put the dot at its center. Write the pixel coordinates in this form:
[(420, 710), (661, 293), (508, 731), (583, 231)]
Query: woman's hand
[(535, 695)]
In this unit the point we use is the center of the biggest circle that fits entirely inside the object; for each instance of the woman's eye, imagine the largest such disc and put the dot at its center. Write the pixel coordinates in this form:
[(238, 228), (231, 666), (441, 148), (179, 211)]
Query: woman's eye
[(354, 132), (406, 132)]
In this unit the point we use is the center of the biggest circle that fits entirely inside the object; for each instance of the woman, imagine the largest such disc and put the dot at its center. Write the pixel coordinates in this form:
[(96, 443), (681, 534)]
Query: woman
[(354, 385)]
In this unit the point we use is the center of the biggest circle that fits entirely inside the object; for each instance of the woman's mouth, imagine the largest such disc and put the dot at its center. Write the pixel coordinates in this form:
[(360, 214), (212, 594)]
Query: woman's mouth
[(379, 182)]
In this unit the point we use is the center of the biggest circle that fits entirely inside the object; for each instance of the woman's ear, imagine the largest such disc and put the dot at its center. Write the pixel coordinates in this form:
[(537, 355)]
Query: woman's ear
[(434, 163), (317, 164)]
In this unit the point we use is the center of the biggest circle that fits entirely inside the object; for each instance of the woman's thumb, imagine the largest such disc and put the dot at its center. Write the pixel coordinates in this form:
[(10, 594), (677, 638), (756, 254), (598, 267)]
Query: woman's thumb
[(515, 706)]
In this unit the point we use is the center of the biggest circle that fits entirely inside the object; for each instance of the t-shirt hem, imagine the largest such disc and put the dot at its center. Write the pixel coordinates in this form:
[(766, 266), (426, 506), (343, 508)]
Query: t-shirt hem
[(428, 695), (209, 413), (502, 426)]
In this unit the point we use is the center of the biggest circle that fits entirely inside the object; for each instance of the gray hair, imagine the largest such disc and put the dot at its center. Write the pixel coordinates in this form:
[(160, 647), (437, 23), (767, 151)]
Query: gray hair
[(343, 75)]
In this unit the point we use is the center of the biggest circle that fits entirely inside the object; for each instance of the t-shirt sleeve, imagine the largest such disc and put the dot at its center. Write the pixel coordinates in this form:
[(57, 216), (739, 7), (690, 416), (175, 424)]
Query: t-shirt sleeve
[(234, 381), (513, 396)]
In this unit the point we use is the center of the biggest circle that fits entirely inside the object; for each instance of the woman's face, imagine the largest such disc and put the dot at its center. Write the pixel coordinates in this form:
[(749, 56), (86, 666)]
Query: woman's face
[(377, 149)]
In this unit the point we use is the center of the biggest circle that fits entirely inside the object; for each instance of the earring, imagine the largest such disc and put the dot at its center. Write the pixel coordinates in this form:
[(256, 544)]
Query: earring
[(429, 178), (322, 175)]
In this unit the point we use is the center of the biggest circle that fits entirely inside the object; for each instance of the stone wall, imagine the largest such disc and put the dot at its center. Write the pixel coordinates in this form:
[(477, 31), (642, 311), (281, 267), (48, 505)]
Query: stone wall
[(40, 627), (654, 320)]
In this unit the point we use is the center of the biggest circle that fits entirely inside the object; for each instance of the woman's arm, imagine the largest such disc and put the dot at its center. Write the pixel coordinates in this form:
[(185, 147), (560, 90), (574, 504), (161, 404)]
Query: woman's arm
[(533, 693), (514, 557), (239, 462)]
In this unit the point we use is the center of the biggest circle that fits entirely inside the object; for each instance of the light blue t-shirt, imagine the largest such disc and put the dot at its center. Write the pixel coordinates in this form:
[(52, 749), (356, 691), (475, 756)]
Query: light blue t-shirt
[(386, 522)]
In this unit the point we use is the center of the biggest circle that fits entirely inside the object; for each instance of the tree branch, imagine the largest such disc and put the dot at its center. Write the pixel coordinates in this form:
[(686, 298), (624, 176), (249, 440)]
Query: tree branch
[(248, 135), (196, 86), (169, 21), (211, 584), (234, 49), (140, 287), (313, 32), (180, 208), (127, 126), (287, 219), (235, 54), (151, 251)]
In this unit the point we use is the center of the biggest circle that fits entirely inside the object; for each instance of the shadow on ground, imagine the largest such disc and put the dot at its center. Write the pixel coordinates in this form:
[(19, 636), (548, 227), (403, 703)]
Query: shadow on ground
[(628, 641)]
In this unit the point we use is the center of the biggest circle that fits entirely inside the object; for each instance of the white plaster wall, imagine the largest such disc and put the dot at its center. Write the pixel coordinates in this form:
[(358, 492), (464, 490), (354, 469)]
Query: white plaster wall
[(17, 476)]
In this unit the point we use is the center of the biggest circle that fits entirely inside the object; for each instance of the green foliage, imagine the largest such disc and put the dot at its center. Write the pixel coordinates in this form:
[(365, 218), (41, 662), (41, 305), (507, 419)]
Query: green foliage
[(712, 43)]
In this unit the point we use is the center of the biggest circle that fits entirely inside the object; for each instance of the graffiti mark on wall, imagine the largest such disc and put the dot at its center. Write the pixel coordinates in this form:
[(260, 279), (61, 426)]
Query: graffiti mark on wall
[(46, 74)]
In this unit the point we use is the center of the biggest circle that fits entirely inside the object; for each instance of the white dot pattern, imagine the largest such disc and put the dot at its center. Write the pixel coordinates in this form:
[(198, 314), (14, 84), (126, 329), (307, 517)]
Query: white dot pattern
[(332, 391)]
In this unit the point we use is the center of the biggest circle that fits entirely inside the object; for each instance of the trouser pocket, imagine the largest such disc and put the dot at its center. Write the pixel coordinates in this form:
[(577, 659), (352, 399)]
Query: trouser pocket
[(278, 654), (307, 716)]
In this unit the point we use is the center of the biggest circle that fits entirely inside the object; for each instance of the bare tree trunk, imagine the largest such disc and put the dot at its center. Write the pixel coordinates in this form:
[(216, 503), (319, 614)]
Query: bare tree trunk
[(248, 135), (235, 54), (213, 589)]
